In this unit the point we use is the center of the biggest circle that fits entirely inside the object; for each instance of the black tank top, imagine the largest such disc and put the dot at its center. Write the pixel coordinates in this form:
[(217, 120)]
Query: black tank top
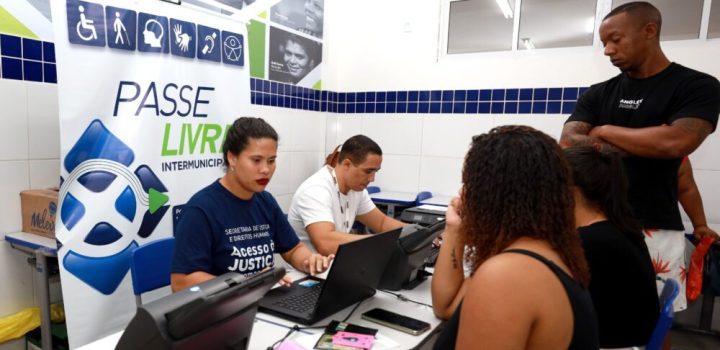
[(585, 334)]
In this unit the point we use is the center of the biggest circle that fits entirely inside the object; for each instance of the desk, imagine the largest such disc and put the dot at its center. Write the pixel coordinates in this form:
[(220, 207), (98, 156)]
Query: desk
[(437, 200), (268, 328), (40, 248), (392, 199)]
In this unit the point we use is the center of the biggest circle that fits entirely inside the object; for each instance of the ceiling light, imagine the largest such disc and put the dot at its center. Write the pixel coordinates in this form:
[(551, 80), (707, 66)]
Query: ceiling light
[(527, 42), (504, 6)]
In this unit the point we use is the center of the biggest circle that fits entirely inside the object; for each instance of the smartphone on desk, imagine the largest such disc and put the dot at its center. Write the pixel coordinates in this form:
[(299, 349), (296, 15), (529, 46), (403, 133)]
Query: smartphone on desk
[(396, 321)]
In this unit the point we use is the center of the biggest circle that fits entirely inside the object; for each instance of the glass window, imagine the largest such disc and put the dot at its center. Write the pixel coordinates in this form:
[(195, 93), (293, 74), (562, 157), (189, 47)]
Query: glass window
[(681, 19), (714, 25), (556, 23), (480, 26)]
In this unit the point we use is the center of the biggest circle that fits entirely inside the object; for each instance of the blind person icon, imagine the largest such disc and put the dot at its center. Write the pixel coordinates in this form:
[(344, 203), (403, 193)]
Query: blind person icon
[(85, 23), (121, 24), (232, 48)]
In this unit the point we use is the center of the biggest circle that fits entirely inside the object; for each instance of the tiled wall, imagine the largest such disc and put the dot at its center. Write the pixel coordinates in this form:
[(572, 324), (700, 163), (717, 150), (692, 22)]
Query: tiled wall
[(27, 59), (485, 101)]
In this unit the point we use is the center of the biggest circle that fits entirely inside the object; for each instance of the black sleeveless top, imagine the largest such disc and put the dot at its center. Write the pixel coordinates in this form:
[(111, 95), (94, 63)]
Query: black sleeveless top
[(585, 334)]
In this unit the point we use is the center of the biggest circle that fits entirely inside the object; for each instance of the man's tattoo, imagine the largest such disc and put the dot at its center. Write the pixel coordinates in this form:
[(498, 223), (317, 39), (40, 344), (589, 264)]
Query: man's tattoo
[(454, 259), (575, 134), (700, 128)]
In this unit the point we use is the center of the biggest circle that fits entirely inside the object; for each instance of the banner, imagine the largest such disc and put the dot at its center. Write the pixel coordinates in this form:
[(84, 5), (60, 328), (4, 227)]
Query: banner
[(146, 92)]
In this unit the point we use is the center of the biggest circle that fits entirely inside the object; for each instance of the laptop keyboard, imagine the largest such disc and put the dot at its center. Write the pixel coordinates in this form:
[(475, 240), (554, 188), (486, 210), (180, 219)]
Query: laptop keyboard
[(301, 302)]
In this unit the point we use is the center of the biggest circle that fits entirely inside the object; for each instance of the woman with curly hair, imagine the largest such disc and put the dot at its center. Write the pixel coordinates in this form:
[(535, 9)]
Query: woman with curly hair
[(514, 223)]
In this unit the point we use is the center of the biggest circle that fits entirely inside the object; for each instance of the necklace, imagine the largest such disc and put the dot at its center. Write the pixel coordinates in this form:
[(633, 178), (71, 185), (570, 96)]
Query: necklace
[(344, 207)]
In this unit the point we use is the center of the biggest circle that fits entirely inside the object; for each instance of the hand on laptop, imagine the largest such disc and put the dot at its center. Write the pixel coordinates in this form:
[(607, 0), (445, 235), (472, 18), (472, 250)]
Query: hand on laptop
[(316, 263)]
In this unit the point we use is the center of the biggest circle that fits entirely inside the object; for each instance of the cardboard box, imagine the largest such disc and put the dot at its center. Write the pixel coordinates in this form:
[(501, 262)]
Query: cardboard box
[(38, 211)]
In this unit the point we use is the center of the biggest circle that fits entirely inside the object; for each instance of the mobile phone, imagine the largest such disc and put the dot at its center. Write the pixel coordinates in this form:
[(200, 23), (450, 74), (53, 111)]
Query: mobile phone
[(396, 321)]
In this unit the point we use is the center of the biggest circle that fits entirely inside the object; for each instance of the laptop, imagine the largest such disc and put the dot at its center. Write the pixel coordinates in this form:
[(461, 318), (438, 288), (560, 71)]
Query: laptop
[(353, 277)]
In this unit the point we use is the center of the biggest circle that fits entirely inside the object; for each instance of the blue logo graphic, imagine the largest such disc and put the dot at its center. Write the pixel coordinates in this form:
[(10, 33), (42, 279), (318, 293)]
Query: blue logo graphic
[(86, 23), (232, 48), (152, 33), (208, 47), (183, 38), (105, 206), (121, 25)]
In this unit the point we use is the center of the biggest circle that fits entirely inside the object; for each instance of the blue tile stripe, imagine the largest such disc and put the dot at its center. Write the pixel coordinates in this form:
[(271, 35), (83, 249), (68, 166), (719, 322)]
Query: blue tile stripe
[(555, 100), (27, 59)]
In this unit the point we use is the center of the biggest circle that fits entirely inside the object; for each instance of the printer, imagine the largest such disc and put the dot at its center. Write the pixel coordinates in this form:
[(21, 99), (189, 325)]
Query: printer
[(425, 215), (406, 268)]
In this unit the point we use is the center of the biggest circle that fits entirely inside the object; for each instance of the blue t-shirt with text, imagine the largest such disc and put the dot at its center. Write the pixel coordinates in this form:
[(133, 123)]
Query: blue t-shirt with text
[(219, 232)]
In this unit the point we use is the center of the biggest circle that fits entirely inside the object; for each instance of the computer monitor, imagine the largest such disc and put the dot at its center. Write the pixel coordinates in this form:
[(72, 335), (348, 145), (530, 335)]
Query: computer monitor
[(216, 314), (405, 270)]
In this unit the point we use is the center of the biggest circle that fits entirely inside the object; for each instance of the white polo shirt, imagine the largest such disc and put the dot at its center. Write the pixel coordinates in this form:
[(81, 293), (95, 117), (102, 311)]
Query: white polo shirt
[(318, 199)]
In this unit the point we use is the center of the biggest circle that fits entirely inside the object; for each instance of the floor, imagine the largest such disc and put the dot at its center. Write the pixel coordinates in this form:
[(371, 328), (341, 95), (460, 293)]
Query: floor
[(683, 336)]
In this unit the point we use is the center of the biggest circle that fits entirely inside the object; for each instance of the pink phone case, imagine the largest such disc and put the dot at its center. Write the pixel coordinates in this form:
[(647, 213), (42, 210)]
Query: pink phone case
[(355, 340)]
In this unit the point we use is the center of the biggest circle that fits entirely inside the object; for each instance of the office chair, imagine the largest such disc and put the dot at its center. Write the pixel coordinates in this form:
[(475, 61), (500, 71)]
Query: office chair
[(669, 293), (150, 266)]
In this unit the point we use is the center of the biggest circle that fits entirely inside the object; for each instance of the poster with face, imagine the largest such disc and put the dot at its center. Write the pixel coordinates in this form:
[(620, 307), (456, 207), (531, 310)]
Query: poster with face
[(305, 16), (238, 4), (293, 58)]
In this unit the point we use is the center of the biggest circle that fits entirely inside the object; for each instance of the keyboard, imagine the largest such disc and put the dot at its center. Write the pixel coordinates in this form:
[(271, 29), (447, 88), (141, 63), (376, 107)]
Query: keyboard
[(302, 302)]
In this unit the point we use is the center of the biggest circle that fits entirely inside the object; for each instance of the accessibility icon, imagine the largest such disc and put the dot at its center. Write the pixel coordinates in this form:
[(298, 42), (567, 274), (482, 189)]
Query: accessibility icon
[(121, 24), (86, 23), (208, 45), (152, 33), (183, 39), (232, 48)]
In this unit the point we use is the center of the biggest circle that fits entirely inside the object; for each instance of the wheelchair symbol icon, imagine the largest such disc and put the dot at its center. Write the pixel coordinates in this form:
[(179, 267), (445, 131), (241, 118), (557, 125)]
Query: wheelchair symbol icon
[(85, 28)]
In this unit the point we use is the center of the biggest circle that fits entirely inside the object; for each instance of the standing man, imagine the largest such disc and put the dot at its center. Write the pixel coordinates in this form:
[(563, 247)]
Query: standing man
[(327, 204), (655, 112)]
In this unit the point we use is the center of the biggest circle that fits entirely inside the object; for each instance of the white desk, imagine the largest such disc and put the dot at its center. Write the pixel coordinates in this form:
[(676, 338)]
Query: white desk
[(437, 200), (41, 248), (392, 199), (269, 329)]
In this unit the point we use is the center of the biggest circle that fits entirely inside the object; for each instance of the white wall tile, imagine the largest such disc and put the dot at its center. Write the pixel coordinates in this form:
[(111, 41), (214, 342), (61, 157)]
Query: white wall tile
[(331, 132), (348, 125), (17, 273), (395, 133), (43, 121), (450, 136), (293, 168), (284, 201), (280, 182), (709, 187), (550, 124), (399, 173), (15, 178), (706, 156), (303, 165), (308, 132), (44, 173), (441, 176), (14, 120)]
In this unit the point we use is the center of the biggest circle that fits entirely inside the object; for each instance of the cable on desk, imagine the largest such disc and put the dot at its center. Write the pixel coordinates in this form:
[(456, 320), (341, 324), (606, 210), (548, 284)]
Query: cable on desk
[(296, 328), (404, 298)]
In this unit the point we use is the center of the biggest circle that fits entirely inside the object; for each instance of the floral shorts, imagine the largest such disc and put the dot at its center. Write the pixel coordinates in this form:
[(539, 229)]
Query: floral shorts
[(667, 250)]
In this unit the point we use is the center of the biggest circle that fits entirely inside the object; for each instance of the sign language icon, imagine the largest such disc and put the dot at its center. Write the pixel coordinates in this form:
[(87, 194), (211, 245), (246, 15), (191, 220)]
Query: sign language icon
[(181, 39)]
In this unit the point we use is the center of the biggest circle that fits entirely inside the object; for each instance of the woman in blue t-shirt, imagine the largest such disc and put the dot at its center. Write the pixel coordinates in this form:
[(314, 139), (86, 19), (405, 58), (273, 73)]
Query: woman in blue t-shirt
[(234, 225)]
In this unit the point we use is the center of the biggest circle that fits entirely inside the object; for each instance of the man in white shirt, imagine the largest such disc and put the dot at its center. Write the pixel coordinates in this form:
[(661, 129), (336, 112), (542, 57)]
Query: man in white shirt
[(327, 204)]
